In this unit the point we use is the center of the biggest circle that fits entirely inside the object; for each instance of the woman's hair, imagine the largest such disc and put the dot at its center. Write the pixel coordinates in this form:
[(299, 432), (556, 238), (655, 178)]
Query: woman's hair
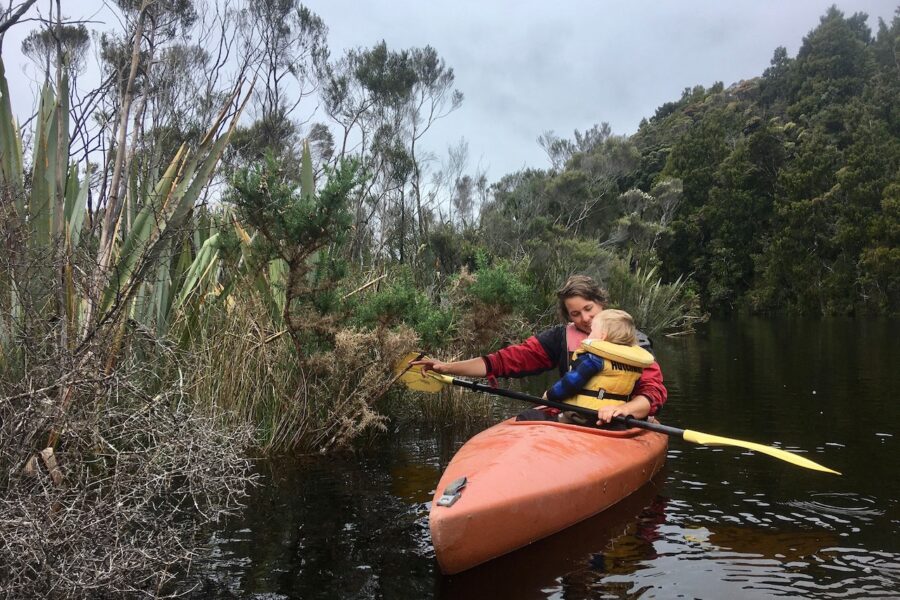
[(580, 286), (619, 327)]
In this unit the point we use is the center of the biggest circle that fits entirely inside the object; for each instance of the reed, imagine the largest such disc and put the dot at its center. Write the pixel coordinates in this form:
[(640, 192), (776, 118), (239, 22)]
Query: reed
[(453, 407), (254, 377)]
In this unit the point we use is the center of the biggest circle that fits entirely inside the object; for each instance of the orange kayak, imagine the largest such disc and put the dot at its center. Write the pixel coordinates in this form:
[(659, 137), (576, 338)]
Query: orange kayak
[(526, 480)]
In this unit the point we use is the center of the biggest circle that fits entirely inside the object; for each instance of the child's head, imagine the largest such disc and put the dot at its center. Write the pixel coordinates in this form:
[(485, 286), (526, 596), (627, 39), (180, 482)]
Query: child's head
[(614, 326)]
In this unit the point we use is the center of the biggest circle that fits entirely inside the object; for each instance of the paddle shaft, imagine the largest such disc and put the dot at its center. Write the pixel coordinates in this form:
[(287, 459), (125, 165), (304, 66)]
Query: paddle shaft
[(425, 381), (627, 420)]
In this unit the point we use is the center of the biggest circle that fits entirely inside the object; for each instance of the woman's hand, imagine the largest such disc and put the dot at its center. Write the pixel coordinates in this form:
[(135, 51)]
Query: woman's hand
[(473, 367), (429, 364)]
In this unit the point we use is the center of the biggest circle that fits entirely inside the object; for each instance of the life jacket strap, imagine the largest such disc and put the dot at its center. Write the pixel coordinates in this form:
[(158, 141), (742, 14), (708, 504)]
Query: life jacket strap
[(604, 395)]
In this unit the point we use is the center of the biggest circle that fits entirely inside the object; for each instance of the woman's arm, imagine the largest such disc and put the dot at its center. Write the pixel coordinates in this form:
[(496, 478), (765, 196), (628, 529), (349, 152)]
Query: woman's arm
[(473, 367), (651, 389), (534, 355), (519, 360)]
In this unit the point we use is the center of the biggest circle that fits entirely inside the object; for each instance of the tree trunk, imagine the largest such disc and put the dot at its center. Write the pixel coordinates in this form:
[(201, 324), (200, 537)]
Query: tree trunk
[(114, 203), (59, 227)]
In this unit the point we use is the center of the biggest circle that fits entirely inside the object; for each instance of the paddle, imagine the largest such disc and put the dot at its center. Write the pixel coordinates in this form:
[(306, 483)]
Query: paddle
[(415, 379)]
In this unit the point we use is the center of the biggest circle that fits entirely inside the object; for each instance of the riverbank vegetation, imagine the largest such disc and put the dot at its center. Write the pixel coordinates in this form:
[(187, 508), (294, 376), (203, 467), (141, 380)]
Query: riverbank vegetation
[(195, 269)]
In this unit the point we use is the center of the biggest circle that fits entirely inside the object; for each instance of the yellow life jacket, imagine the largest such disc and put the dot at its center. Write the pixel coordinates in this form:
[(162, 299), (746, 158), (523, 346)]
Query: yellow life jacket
[(622, 367)]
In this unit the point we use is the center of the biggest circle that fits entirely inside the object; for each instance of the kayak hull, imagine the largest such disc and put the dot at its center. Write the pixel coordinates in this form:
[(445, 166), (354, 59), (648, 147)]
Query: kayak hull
[(527, 480)]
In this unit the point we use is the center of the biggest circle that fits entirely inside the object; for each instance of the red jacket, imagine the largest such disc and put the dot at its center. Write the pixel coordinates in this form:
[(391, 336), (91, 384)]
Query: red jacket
[(550, 349)]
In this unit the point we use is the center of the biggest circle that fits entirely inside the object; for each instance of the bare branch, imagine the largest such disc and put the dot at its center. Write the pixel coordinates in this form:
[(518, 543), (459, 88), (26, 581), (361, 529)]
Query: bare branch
[(11, 16)]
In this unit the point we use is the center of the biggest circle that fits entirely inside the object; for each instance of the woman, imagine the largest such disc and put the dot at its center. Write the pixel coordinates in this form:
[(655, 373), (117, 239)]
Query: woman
[(580, 299)]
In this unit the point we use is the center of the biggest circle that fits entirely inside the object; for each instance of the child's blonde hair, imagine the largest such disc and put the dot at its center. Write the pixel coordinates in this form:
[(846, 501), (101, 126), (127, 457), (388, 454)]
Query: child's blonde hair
[(618, 326)]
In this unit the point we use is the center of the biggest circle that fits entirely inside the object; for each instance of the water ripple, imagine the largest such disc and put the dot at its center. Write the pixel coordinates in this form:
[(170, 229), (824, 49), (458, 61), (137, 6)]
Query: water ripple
[(731, 562), (849, 505)]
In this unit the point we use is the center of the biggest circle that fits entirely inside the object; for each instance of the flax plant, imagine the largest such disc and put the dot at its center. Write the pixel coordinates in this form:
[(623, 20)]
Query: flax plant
[(79, 385), (44, 224), (657, 307)]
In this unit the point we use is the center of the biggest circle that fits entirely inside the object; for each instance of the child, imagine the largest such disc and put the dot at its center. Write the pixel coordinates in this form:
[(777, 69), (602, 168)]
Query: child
[(605, 369)]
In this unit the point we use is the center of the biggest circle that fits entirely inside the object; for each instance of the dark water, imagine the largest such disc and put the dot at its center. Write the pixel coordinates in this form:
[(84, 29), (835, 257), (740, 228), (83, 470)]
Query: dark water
[(715, 523)]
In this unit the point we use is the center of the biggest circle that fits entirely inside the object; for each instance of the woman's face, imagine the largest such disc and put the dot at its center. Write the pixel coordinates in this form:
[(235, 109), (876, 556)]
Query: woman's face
[(581, 312)]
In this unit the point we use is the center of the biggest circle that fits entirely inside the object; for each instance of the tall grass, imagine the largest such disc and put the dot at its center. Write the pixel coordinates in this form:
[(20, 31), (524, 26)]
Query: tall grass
[(252, 376)]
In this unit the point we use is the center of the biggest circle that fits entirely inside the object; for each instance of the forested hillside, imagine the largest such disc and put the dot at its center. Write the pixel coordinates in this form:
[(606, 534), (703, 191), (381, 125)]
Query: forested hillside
[(777, 193)]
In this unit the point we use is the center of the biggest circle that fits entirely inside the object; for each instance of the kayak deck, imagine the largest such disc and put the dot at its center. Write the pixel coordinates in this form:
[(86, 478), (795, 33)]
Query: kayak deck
[(526, 480)]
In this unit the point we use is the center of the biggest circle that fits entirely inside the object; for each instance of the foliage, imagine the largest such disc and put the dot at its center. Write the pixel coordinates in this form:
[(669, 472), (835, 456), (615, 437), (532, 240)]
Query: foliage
[(657, 307), (252, 376), (301, 233), (881, 258), (75, 304), (399, 301), (787, 176), (499, 285), (389, 99), (42, 47), (468, 315), (451, 249)]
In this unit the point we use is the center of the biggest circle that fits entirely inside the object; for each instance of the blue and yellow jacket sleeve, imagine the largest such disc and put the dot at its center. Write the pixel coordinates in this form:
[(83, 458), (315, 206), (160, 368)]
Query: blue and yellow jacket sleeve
[(574, 381)]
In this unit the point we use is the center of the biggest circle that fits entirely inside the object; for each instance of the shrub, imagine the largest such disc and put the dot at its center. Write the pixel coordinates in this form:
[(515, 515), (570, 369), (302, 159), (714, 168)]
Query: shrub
[(399, 302), (119, 502), (501, 286), (657, 307)]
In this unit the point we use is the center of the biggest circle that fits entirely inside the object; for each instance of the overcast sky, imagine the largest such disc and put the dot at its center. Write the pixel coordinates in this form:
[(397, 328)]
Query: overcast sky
[(530, 66)]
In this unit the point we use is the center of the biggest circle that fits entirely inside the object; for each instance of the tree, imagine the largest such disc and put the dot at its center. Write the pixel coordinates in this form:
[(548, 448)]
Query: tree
[(694, 159), (386, 101), (302, 228), (739, 209), (645, 224), (68, 43), (518, 200), (832, 66), (11, 15), (287, 42)]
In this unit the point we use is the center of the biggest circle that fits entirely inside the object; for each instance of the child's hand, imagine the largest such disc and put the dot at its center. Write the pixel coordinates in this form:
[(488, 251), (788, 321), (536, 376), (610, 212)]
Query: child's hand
[(605, 414)]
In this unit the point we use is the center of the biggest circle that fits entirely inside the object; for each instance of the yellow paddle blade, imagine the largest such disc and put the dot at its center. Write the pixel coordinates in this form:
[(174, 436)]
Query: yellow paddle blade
[(412, 376), (706, 439)]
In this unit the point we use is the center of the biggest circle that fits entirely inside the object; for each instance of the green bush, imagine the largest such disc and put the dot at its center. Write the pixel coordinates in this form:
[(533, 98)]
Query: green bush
[(501, 286), (399, 302), (436, 327)]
